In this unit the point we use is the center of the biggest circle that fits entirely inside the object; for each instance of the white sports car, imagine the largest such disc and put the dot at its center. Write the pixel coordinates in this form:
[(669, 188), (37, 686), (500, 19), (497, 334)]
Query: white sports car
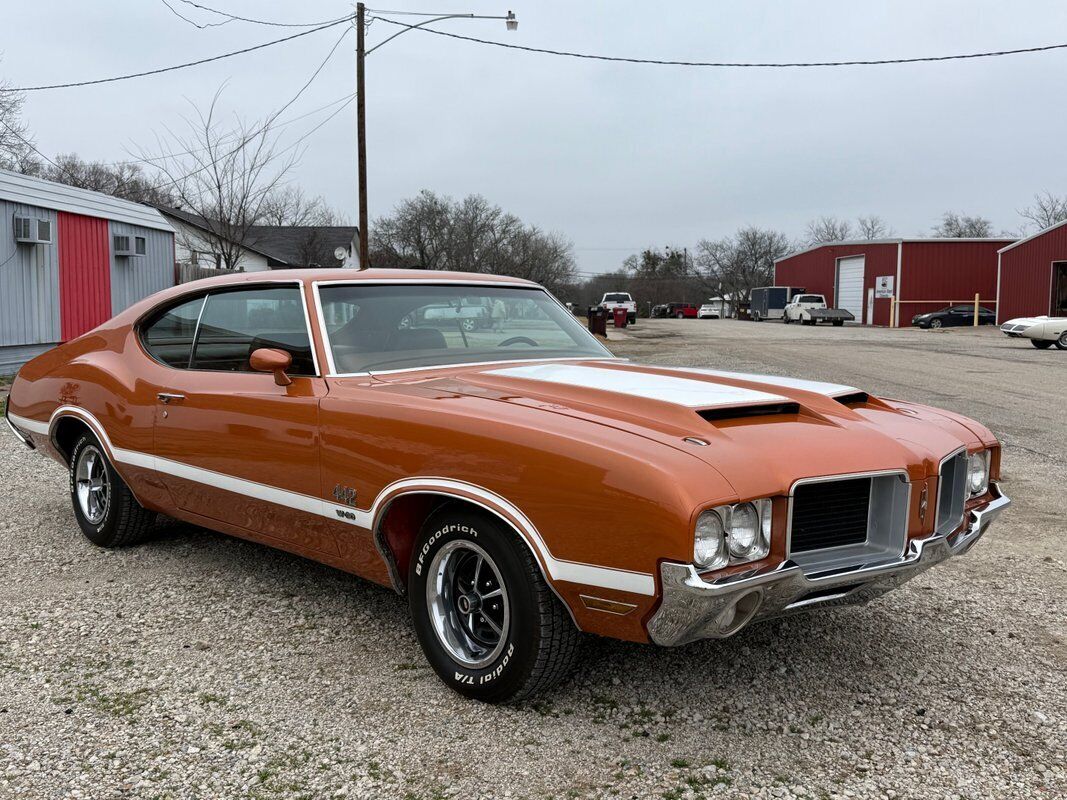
[(1043, 332)]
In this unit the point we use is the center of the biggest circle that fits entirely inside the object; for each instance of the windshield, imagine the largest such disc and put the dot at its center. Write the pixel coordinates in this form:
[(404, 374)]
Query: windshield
[(397, 326)]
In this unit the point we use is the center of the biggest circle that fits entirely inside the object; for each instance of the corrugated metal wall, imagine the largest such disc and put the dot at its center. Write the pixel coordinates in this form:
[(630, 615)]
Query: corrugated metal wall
[(135, 277), (1026, 275), (816, 271), (947, 272), (29, 282), (84, 273)]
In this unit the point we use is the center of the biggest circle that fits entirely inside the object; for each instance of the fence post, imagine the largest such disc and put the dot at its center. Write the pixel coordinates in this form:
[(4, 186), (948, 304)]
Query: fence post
[(892, 311), (976, 301)]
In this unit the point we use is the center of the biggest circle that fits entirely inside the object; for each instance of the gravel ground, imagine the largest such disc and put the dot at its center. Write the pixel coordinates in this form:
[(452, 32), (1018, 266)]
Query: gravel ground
[(202, 666)]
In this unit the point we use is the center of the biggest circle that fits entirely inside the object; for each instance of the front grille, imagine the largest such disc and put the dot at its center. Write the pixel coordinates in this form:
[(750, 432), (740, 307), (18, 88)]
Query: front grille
[(951, 492), (830, 514)]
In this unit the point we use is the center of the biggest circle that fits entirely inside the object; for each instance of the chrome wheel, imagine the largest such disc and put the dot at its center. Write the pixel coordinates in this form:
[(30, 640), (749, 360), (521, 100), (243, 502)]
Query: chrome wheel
[(91, 484), (468, 603), (935, 324)]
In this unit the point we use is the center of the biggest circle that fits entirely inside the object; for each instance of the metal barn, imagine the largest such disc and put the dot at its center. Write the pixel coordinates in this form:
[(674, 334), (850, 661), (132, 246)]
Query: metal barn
[(69, 260), (1032, 278), (887, 281)]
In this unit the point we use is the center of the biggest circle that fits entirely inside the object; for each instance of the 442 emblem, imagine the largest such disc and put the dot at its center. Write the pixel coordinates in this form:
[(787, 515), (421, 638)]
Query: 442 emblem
[(345, 495)]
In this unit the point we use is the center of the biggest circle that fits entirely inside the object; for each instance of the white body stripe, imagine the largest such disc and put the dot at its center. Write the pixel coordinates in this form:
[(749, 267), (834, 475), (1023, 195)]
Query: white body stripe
[(558, 569), (28, 425), (818, 387), (667, 388)]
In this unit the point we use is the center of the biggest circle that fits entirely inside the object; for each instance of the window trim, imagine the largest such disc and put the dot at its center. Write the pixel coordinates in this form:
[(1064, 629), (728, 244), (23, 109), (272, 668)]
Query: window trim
[(224, 289), (328, 350)]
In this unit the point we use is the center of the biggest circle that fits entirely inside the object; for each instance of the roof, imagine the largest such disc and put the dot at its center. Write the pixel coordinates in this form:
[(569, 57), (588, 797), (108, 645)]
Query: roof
[(913, 240), (1034, 236), (18, 188), (290, 243), (328, 275), (286, 244)]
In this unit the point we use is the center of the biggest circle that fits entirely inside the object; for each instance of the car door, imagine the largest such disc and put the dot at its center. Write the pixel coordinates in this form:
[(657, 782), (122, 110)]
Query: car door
[(230, 443), (960, 315)]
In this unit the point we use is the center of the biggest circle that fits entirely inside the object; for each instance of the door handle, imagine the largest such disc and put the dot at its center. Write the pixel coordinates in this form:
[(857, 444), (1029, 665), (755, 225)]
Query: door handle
[(166, 397)]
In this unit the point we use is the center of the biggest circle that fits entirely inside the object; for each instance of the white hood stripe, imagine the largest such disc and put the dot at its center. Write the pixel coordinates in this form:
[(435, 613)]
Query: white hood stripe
[(818, 387), (666, 388)]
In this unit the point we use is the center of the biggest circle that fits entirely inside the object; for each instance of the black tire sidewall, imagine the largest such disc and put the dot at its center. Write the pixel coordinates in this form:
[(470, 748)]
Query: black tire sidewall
[(505, 676), (103, 532)]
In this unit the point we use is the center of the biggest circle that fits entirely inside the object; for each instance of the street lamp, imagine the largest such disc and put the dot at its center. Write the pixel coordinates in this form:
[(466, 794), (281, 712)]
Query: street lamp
[(511, 22)]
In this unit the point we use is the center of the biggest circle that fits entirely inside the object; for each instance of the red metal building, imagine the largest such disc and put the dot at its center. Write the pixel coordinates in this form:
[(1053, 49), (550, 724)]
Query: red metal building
[(921, 274), (1032, 276)]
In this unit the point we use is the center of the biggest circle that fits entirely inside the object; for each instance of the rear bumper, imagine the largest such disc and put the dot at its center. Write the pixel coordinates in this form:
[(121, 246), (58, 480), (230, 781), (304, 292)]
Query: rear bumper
[(693, 608)]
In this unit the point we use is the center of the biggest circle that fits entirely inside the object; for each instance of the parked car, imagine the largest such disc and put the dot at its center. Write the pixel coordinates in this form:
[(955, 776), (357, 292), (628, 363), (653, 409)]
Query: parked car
[(297, 412), (954, 316), (708, 311), (659, 311), (1043, 332), (682, 310), (612, 300), (810, 309), (768, 302)]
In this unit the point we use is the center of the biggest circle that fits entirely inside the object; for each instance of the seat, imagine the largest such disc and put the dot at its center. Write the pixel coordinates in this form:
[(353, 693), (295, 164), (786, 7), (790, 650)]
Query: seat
[(419, 339)]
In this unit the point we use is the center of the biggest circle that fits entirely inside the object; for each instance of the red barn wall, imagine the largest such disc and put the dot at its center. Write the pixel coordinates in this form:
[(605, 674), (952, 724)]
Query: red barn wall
[(946, 273), (1026, 275), (84, 273)]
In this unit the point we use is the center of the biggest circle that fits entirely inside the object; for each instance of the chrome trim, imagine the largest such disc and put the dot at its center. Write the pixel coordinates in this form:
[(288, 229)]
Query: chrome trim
[(18, 434), (692, 606), (940, 483)]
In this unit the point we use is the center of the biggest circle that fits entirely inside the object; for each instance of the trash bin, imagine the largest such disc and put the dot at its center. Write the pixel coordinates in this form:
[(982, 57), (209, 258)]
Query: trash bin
[(598, 320), (619, 316)]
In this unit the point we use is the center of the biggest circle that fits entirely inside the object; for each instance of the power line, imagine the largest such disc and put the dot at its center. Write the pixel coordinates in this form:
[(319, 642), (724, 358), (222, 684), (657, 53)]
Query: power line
[(734, 64), (180, 66), (193, 22), (233, 17)]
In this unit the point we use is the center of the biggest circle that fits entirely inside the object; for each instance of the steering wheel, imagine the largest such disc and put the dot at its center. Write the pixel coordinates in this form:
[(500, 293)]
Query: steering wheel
[(518, 340)]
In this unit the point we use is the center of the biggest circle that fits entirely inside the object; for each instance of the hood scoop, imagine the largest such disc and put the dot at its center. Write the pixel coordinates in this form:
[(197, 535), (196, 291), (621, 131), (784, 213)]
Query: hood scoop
[(744, 412)]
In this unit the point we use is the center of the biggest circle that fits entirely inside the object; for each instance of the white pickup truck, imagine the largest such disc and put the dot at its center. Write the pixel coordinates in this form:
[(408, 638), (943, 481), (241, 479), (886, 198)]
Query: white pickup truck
[(810, 309), (613, 300)]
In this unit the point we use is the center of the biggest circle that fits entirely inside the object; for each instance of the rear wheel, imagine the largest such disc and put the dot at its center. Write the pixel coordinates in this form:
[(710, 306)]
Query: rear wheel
[(1040, 345), (1061, 343), (488, 623), (104, 506)]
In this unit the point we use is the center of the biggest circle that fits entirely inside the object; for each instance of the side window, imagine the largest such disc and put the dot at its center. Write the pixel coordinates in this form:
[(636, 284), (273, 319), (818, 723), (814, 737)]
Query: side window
[(169, 337), (234, 324)]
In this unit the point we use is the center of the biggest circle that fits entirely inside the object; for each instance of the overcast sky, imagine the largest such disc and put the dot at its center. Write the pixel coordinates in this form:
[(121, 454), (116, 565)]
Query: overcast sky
[(614, 156)]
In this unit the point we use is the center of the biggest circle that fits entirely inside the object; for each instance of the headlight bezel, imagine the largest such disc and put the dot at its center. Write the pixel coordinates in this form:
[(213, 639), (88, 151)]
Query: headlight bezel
[(735, 548), (978, 463)]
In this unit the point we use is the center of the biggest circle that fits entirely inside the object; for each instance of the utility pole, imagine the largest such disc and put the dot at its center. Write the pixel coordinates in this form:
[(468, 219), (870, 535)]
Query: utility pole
[(361, 135)]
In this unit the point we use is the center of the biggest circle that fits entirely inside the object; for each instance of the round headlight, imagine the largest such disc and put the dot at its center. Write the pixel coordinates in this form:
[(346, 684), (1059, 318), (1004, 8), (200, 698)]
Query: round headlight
[(745, 540), (978, 473), (709, 543)]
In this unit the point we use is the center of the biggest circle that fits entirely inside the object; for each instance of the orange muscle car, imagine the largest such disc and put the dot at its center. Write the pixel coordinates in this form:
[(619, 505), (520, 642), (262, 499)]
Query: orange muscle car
[(512, 478)]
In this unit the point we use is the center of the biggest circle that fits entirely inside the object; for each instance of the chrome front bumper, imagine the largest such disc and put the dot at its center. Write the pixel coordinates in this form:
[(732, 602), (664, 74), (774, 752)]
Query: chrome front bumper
[(693, 608)]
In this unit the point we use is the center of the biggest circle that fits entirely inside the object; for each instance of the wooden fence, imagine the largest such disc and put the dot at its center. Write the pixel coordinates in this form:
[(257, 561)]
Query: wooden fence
[(183, 273)]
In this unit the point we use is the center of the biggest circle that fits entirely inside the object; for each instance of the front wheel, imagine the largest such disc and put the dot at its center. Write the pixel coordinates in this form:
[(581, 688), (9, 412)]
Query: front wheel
[(487, 621), (107, 512), (935, 323), (1040, 345)]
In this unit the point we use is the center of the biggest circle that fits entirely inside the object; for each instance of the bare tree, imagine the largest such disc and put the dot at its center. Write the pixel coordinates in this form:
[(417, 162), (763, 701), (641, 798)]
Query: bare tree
[(739, 263), (828, 229), (16, 145), (288, 205), (1047, 210), (124, 179), (873, 227), (961, 226), (223, 176), (472, 235)]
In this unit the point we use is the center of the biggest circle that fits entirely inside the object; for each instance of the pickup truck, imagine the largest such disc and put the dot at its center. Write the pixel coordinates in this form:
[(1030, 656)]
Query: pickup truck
[(613, 300), (810, 309)]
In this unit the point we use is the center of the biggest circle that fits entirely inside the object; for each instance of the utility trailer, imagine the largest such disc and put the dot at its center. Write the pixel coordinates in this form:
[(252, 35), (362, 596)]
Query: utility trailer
[(810, 309), (768, 302)]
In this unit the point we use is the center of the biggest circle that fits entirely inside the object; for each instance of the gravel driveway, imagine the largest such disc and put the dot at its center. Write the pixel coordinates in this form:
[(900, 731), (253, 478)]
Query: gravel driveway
[(202, 666)]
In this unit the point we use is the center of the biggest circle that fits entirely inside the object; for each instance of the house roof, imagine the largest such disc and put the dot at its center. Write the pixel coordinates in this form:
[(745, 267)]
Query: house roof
[(916, 239), (285, 244), (26, 190)]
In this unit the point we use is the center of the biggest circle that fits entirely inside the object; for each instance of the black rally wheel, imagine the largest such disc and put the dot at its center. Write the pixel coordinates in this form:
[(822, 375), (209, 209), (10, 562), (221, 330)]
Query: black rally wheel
[(104, 506), (488, 623)]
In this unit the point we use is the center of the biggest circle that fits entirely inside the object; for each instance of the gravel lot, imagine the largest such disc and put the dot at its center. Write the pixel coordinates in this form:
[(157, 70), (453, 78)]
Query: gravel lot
[(202, 666)]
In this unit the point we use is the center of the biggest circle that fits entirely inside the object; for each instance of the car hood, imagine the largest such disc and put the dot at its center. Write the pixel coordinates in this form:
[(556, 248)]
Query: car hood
[(770, 430)]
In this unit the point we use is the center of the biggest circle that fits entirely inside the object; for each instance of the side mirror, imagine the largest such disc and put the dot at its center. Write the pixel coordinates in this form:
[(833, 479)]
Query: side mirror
[(268, 359)]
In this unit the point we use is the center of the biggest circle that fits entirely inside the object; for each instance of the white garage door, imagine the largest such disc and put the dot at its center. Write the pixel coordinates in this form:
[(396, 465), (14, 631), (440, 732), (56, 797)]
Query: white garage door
[(850, 286)]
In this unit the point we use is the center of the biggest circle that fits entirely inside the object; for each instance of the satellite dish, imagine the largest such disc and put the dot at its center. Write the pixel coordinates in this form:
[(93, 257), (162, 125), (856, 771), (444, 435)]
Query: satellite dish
[(340, 254)]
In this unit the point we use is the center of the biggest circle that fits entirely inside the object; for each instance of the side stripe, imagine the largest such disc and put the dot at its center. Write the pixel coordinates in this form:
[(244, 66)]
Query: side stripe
[(367, 519), (28, 425)]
